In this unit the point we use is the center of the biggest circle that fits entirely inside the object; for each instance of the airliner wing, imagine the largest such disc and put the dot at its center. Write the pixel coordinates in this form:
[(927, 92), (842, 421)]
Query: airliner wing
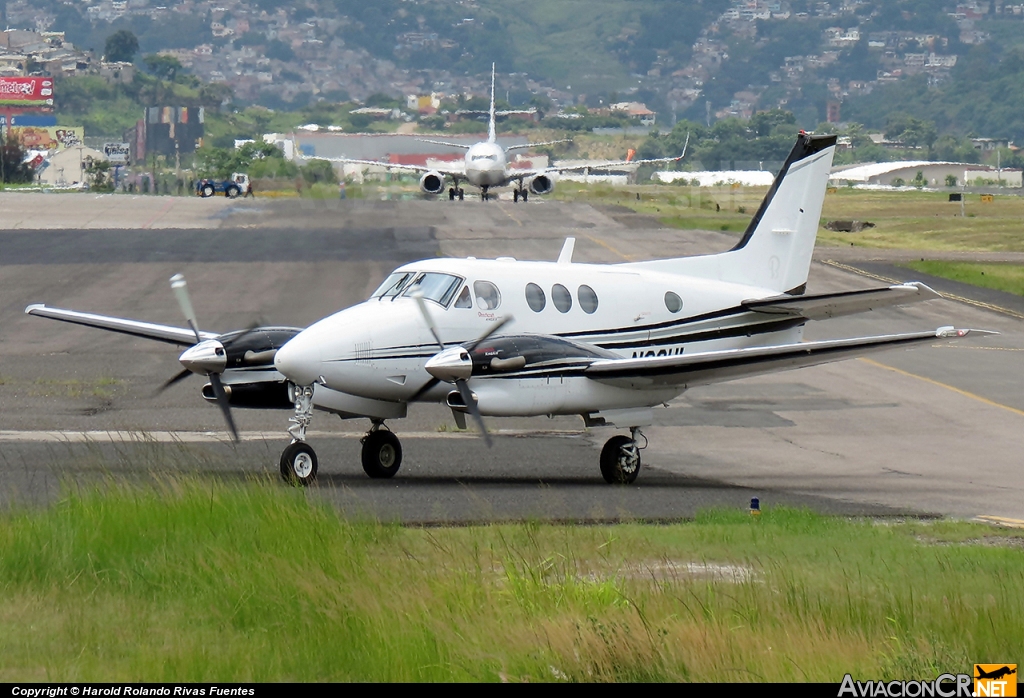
[(823, 306), (524, 146), (704, 368), (182, 336), (453, 171), (622, 163), (461, 146)]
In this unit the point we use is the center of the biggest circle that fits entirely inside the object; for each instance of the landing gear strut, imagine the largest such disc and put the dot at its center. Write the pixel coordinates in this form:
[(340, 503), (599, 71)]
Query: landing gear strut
[(299, 461), (518, 194), (620, 459), (382, 452), (483, 193)]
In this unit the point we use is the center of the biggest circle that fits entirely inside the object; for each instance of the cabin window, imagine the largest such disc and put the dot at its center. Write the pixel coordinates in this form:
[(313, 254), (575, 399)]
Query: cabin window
[(465, 300), (436, 287), (587, 298), (673, 302), (393, 285), (535, 297), (561, 297), (487, 296)]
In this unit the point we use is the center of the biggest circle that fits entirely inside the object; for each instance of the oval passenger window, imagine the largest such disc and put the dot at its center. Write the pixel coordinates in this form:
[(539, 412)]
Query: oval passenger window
[(561, 297), (487, 296), (535, 297), (588, 299), (673, 302)]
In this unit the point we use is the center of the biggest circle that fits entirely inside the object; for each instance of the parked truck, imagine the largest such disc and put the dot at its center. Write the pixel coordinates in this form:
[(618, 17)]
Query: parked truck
[(236, 186)]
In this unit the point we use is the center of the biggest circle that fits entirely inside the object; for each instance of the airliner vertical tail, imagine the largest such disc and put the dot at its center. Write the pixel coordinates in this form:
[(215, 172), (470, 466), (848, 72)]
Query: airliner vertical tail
[(491, 135)]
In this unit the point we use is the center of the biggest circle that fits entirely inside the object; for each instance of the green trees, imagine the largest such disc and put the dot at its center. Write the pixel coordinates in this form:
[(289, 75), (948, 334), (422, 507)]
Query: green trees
[(121, 46), (163, 67), (13, 169)]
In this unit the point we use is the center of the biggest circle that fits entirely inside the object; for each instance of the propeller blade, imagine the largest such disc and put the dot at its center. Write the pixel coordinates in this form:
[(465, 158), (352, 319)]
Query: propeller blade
[(180, 289), (425, 389), (491, 330), (176, 379), (222, 402), (427, 318), (467, 397)]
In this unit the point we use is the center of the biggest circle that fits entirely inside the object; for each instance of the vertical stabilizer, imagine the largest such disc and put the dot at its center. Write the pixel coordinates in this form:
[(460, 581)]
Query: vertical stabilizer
[(775, 251), (491, 135)]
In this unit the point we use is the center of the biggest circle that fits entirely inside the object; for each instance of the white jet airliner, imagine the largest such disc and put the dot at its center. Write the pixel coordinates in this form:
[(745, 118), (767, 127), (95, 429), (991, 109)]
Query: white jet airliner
[(486, 165), (608, 342)]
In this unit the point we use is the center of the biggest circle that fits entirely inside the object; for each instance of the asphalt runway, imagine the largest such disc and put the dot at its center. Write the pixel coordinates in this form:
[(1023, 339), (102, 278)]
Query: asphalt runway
[(933, 431)]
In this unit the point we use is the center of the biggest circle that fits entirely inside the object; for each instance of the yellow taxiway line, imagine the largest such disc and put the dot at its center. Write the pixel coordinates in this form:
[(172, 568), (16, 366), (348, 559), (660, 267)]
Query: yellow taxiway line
[(1000, 521)]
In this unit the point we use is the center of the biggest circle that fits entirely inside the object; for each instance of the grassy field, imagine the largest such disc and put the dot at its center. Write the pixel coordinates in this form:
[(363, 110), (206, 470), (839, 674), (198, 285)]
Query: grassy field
[(908, 219), (1001, 277), (192, 580)]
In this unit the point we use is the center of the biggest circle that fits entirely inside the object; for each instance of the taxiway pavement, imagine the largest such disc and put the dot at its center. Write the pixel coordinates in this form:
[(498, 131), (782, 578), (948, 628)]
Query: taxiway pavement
[(936, 430)]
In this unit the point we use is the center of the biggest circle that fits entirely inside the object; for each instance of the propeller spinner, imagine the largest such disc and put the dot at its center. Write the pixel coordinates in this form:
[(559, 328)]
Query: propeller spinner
[(205, 358), (455, 365)]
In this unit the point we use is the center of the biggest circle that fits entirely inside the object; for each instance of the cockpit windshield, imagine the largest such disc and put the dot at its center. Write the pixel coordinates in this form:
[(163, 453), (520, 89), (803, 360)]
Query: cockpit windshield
[(393, 285), (435, 286)]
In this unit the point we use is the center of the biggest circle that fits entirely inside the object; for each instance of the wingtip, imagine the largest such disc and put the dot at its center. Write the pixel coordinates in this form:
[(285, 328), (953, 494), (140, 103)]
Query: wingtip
[(950, 332), (34, 306)]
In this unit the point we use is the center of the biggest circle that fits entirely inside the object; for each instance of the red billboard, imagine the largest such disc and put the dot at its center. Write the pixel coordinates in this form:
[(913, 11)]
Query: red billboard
[(26, 92)]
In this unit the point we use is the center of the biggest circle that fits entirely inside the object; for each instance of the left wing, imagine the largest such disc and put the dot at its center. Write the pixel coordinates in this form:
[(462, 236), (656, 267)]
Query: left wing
[(182, 336), (524, 146), (623, 163), (704, 368)]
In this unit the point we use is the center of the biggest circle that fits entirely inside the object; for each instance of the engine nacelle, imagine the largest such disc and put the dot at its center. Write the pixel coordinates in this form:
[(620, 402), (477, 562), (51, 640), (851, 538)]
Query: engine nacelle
[(266, 395), (432, 182), (542, 184)]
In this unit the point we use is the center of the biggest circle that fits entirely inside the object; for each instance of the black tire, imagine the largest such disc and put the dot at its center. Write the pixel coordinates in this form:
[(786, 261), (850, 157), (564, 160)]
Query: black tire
[(232, 192), (620, 461), (451, 193), (462, 194), (382, 454), (299, 464), (207, 190), (525, 195), (515, 196)]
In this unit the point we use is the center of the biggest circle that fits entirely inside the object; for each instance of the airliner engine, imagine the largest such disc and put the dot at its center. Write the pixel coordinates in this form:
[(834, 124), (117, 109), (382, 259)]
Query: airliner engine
[(432, 182), (542, 184)]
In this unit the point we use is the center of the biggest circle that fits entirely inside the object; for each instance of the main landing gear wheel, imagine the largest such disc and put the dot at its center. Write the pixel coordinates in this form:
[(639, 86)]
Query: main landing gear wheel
[(451, 193), (620, 461), (462, 194), (299, 464), (382, 454)]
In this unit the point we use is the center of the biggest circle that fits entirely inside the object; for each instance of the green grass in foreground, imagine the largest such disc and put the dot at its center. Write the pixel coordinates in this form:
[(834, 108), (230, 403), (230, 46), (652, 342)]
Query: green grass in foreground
[(194, 581), (1001, 277)]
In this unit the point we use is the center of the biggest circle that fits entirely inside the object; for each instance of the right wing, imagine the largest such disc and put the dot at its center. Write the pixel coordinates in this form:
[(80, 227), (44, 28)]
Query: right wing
[(451, 172), (182, 336), (705, 368), (460, 146), (623, 163)]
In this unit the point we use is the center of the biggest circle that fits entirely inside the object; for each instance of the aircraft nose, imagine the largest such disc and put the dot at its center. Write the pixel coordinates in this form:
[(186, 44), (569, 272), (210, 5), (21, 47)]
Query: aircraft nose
[(299, 360)]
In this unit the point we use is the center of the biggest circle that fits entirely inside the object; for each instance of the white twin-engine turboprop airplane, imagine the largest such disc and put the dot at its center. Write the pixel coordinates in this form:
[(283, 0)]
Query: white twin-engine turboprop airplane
[(486, 165), (608, 342)]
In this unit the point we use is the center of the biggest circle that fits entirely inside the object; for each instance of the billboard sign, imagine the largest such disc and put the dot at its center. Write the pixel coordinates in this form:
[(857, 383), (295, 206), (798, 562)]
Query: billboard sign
[(117, 153), (26, 92), (49, 137)]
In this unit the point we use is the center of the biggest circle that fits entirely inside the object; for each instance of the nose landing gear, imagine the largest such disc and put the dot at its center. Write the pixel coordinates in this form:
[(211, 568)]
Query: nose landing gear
[(299, 461)]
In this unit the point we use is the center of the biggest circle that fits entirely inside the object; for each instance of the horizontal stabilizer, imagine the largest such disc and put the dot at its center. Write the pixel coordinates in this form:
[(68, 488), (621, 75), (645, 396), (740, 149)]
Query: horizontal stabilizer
[(182, 336), (704, 368), (823, 306)]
